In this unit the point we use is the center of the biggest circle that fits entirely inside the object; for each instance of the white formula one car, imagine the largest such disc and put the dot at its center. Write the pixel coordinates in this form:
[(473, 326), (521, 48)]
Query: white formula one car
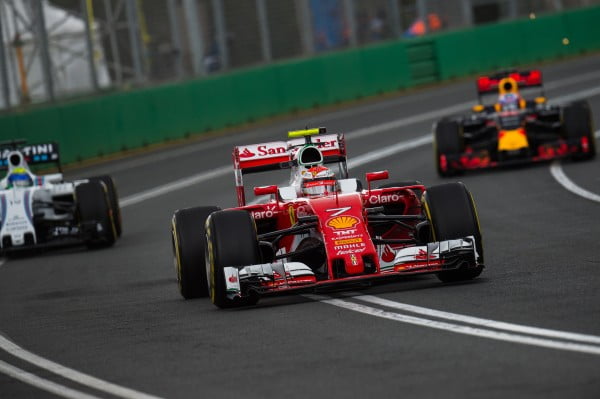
[(38, 211)]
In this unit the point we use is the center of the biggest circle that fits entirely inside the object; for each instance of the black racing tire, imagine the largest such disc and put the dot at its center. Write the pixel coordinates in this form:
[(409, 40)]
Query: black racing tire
[(451, 212), (577, 123), (95, 215), (113, 199), (448, 141), (231, 240), (187, 238)]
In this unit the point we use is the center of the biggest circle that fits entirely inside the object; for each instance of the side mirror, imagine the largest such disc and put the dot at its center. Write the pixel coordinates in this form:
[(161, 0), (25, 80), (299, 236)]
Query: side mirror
[(374, 176), (265, 190)]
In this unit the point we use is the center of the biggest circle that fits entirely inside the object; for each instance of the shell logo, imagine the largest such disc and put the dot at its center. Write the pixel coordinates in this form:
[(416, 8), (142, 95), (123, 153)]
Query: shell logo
[(342, 222)]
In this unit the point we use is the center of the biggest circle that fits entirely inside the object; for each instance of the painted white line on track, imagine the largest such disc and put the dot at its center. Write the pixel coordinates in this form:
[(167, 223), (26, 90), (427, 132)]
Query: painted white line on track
[(353, 111), (498, 325), (461, 329), (360, 160), (174, 186), (48, 386), (68, 373), (117, 390), (559, 175)]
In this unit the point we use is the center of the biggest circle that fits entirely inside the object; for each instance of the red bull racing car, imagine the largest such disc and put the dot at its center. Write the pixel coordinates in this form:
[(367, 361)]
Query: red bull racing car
[(323, 230), (513, 129)]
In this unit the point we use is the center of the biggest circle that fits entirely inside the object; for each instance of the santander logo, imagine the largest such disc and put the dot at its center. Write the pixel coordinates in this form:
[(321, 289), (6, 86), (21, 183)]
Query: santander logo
[(246, 153)]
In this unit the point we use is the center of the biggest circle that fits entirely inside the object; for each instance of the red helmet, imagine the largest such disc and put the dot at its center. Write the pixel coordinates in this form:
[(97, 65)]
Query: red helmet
[(318, 180)]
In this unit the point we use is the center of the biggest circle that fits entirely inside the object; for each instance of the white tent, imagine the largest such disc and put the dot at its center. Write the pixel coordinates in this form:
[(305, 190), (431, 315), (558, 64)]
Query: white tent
[(67, 50)]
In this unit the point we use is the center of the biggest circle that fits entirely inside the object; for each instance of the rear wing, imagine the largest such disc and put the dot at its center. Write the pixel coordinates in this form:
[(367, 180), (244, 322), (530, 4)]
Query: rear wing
[(277, 155), (33, 154), (525, 79)]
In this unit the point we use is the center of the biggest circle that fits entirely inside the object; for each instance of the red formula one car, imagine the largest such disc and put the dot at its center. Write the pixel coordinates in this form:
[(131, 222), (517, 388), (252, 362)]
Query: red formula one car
[(323, 230), (514, 129)]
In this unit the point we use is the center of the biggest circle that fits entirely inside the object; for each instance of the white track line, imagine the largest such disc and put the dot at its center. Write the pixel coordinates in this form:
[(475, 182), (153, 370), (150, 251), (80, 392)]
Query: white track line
[(560, 176), (48, 386), (462, 329), (117, 390), (498, 325), (360, 160), (352, 111), (68, 373), (174, 186)]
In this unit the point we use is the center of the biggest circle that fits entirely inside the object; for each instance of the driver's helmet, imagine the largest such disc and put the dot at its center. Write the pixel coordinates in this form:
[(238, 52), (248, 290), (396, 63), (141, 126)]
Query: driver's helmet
[(318, 180), (509, 102), (19, 177)]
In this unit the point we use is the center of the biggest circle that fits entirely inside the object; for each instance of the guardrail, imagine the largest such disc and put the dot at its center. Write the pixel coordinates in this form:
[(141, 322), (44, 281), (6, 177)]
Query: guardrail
[(125, 120)]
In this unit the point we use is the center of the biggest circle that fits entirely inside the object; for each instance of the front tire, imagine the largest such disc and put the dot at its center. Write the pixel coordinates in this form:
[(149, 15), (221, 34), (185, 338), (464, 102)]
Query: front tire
[(578, 126), (448, 143), (187, 232), (451, 212), (231, 240)]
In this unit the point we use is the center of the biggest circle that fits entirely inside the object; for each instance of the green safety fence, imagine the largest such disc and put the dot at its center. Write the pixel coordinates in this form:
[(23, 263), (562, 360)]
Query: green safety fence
[(115, 122)]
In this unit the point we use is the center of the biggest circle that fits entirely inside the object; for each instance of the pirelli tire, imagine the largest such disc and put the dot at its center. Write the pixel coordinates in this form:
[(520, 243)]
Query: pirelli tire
[(188, 235), (113, 199), (95, 216), (577, 125), (451, 212), (231, 240), (448, 142)]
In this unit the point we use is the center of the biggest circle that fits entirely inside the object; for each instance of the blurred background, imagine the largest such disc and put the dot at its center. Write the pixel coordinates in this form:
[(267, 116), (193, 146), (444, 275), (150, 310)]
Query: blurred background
[(53, 49)]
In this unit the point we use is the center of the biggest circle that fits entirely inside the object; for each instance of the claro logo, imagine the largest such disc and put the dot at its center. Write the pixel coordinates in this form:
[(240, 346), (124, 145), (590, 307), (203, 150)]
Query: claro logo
[(267, 213), (383, 199)]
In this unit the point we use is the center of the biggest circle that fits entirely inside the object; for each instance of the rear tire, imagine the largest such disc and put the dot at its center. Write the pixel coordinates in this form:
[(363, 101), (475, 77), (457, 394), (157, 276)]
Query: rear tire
[(113, 199), (577, 124), (231, 240), (451, 212), (448, 143), (188, 235), (95, 214)]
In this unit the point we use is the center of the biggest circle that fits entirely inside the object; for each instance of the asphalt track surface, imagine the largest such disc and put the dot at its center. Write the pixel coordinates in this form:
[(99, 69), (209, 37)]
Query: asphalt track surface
[(116, 315)]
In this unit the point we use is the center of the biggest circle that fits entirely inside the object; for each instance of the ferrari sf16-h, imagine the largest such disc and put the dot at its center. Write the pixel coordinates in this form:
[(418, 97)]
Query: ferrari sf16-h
[(323, 230), (513, 129), (39, 211)]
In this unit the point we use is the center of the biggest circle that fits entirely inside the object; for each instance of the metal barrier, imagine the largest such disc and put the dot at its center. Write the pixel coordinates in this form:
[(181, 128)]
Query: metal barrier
[(59, 49), (123, 120)]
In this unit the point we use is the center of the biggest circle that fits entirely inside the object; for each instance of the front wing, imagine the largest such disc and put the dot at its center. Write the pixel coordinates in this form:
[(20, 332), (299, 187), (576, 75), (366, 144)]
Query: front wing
[(481, 159), (287, 277)]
